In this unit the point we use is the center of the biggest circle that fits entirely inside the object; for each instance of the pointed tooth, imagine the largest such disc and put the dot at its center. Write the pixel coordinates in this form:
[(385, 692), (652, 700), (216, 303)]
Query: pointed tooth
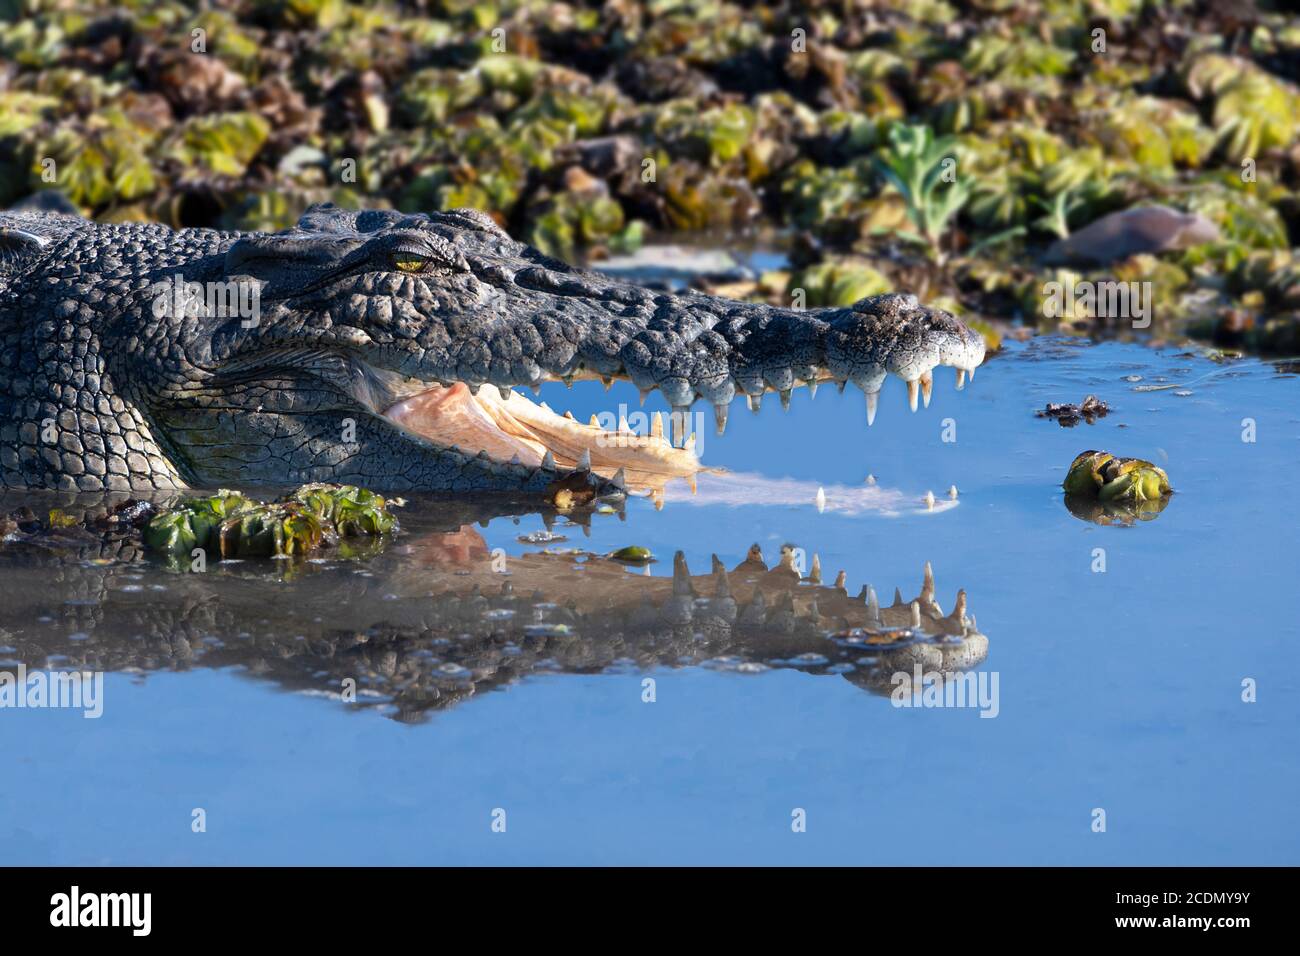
[(568, 381), (473, 387), (622, 422), (548, 461), (514, 459), (584, 463), (842, 582), (898, 598), (871, 479), (916, 614), (812, 387), (927, 386), (755, 402), (873, 402), (608, 380), (657, 425), (952, 492), (620, 478), (840, 383), (681, 574), (722, 588), (971, 372), (681, 420), (873, 604), (720, 417), (961, 379), (820, 500), (927, 584), (913, 393), (569, 416), (593, 422), (929, 499), (659, 502), (959, 610), (785, 399), (546, 407), (815, 576), (505, 391)]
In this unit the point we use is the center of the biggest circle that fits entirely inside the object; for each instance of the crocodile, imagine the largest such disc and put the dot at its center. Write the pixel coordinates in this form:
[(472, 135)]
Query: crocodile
[(439, 619), (384, 349)]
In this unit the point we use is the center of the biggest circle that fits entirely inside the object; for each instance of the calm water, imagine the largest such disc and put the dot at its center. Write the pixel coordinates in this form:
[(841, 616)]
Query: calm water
[(1118, 690)]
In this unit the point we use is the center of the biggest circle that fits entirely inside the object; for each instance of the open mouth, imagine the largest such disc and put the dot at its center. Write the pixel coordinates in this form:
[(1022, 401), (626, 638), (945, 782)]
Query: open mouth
[(509, 427)]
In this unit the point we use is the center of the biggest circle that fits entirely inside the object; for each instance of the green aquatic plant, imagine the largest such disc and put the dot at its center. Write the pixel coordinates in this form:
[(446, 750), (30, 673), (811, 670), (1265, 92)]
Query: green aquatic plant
[(923, 170), (1100, 475), (838, 282), (228, 525)]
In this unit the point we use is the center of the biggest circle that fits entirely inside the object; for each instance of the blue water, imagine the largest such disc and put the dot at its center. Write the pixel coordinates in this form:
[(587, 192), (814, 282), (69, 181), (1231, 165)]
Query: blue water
[(1119, 690)]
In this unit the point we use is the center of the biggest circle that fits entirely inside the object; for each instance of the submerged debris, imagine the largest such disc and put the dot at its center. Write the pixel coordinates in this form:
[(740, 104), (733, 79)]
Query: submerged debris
[(1069, 415)]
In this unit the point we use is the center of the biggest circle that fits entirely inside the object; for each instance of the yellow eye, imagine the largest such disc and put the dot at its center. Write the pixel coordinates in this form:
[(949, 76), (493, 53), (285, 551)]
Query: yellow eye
[(409, 263)]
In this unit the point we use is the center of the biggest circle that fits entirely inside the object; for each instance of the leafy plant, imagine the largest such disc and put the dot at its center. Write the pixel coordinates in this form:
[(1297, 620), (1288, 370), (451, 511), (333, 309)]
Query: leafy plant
[(923, 170)]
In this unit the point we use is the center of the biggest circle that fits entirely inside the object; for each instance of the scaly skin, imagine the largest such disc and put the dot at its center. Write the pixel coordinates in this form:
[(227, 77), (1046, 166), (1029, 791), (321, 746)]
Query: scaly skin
[(360, 311)]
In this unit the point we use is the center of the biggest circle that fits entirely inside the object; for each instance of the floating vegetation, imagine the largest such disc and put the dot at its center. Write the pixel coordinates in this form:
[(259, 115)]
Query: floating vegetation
[(1100, 475), (228, 525), (944, 150)]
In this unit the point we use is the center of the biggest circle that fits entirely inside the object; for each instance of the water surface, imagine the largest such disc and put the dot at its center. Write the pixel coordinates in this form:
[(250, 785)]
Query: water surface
[(1118, 690)]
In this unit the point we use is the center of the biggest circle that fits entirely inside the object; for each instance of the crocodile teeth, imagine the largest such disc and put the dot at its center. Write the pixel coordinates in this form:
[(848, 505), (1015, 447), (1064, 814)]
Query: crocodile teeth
[(720, 417), (505, 391), (620, 478), (812, 388), (594, 422), (842, 581), (815, 575), (927, 385), (785, 399), (756, 402), (548, 461), (913, 393), (873, 401), (961, 379), (584, 463)]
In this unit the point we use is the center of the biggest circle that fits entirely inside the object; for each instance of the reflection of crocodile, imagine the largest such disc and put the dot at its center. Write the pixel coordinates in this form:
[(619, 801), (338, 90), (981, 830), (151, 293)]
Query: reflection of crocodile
[(434, 619), (352, 348)]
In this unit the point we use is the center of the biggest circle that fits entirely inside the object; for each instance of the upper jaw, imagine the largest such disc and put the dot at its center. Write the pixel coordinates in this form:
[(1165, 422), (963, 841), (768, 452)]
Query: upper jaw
[(691, 347)]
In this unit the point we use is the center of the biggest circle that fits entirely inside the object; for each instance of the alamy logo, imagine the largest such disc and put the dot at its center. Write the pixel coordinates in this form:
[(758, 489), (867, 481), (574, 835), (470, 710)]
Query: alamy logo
[(939, 689), (175, 298), (1102, 300), (103, 909), (79, 690)]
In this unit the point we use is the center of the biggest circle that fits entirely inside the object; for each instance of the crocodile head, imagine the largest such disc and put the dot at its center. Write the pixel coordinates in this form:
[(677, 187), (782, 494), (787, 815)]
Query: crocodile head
[(385, 349)]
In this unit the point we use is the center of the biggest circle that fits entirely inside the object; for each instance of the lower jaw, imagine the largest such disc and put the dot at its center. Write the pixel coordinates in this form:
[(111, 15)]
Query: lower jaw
[(514, 428)]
